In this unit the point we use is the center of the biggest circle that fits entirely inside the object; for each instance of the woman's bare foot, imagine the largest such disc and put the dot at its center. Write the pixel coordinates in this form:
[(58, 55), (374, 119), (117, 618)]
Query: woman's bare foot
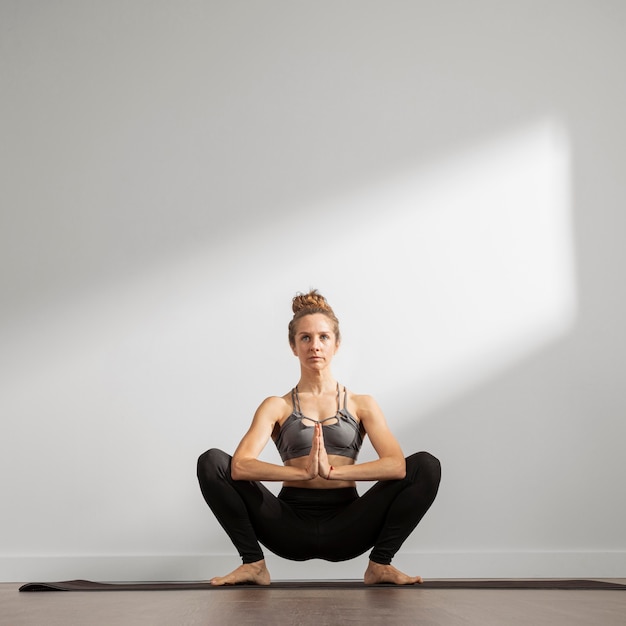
[(248, 573), (376, 573)]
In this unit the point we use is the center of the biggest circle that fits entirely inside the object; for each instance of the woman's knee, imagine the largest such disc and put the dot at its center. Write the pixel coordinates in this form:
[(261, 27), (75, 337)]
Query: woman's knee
[(212, 463), (425, 466)]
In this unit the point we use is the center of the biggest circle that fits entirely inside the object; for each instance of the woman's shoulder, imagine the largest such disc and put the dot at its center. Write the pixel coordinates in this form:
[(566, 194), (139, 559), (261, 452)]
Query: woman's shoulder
[(363, 403), (276, 406), (361, 398)]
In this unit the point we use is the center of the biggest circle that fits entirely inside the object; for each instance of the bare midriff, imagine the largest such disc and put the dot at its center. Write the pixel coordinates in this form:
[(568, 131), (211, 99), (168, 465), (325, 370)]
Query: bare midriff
[(318, 482)]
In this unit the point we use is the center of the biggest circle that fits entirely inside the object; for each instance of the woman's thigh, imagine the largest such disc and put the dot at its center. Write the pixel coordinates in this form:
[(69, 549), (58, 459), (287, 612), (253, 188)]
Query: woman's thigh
[(277, 526), (356, 527)]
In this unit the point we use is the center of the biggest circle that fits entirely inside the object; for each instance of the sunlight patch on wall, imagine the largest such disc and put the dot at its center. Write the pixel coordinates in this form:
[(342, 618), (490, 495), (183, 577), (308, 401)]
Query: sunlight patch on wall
[(455, 271)]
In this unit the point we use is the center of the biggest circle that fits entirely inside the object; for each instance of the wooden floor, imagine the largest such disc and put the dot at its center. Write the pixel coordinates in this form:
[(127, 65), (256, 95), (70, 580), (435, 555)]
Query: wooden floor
[(381, 606)]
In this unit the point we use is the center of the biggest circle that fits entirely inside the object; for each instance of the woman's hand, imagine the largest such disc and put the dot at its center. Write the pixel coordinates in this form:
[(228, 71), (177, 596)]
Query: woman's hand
[(312, 466), (318, 463), (323, 466)]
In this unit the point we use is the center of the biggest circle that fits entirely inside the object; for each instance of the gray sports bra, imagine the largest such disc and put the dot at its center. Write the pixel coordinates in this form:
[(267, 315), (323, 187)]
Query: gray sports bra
[(344, 436)]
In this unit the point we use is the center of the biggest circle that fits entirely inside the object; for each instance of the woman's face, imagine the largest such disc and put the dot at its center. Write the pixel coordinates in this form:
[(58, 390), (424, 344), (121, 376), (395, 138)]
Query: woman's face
[(315, 342)]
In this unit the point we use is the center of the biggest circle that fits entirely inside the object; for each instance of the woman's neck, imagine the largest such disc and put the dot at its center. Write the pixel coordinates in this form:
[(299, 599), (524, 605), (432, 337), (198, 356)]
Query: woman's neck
[(317, 383)]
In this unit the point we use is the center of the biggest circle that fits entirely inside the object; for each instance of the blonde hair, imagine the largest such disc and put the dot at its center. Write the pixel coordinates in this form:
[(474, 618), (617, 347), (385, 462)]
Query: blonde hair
[(308, 304)]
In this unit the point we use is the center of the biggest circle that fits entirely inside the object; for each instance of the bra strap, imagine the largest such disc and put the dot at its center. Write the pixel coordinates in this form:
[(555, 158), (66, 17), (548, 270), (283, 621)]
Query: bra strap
[(295, 400)]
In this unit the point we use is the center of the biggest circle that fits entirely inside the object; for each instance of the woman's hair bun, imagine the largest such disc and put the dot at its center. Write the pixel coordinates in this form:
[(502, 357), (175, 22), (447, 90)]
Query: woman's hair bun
[(311, 300), (308, 303)]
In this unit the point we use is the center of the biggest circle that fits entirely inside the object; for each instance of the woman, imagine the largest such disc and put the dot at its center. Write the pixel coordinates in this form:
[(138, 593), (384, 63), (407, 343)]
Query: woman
[(318, 428)]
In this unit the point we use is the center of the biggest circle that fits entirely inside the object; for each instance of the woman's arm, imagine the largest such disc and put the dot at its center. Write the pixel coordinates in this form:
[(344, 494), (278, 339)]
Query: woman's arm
[(390, 464), (246, 465)]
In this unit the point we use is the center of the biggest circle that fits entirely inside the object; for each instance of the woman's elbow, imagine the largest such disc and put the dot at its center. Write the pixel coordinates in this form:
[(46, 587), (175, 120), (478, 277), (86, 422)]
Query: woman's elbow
[(236, 471), (400, 469)]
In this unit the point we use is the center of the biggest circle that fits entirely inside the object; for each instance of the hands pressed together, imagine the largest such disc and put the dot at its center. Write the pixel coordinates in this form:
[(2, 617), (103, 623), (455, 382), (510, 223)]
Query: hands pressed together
[(318, 464)]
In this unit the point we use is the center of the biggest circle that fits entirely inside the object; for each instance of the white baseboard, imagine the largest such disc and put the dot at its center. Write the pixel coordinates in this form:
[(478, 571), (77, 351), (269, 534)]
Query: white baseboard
[(427, 564)]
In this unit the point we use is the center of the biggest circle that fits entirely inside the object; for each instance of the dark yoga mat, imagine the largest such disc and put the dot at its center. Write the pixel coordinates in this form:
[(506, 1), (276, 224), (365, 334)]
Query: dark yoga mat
[(87, 585)]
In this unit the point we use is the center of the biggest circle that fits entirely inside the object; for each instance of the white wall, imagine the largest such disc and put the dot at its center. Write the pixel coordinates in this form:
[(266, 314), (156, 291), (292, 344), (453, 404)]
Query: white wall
[(449, 174)]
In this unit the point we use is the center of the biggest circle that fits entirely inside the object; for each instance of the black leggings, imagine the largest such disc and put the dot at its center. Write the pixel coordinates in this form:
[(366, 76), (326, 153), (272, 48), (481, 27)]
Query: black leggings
[(330, 524)]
